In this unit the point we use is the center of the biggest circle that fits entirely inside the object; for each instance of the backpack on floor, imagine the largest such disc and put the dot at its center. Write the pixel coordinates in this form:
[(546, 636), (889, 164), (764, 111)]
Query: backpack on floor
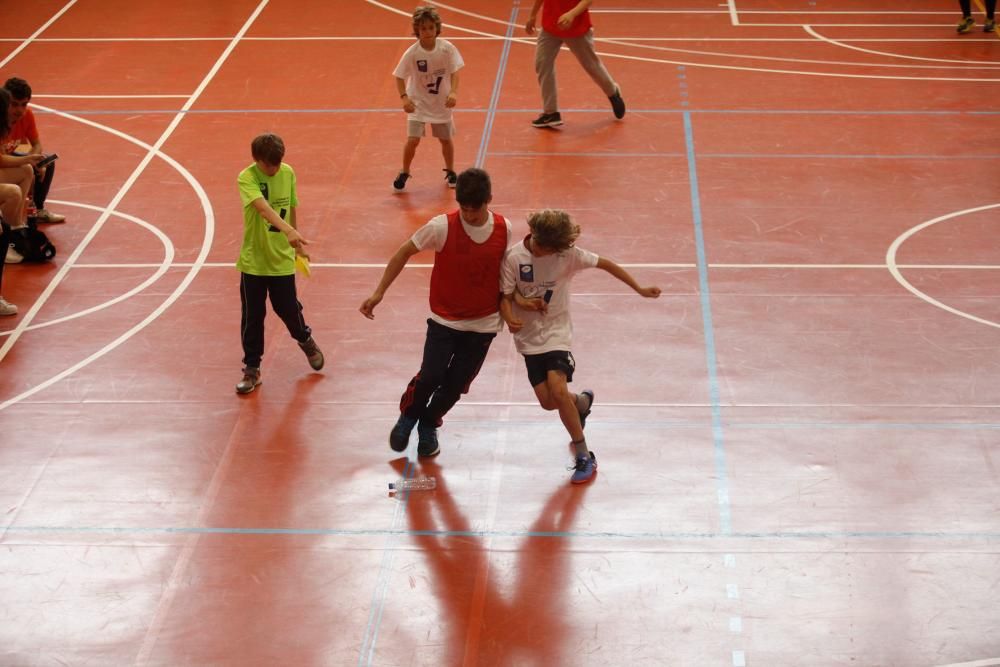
[(32, 243)]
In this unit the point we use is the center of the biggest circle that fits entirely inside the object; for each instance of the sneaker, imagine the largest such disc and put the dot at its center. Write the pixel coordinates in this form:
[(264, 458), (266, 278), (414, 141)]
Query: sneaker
[(313, 353), (400, 183), (251, 380), (618, 104), (584, 469), (583, 415), (399, 436), (7, 308), (989, 25), (13, 256), (427, 440), (451, 177), (965, 25), (42, 215), (548, 120)]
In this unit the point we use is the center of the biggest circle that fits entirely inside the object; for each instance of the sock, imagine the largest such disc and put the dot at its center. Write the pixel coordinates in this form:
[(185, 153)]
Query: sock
[(580, 447)]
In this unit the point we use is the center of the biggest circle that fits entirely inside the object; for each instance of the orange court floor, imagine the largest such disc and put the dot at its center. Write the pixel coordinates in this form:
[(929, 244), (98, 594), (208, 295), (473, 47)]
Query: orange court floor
[(797, 442)]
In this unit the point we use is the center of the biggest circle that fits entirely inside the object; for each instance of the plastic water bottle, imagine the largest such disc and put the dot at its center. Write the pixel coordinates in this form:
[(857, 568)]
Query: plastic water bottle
[(412, 484)]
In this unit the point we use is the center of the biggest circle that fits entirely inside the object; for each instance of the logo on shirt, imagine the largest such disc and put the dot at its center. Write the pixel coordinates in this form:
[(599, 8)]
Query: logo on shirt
[(263, 189), (527, 272), (421, 65)]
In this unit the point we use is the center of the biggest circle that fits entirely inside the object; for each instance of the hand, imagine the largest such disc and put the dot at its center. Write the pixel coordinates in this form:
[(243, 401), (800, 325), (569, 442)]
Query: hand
[(33, 158), (529, 27), (368, 307), (650, 292), (302, 253), (536, 304), (514, 325), (409, 106), (566, 20), (451, 101), (295, 239)]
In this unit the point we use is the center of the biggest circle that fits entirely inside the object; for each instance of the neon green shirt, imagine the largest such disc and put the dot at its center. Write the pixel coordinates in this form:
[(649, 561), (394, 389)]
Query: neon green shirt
[(265, 250)]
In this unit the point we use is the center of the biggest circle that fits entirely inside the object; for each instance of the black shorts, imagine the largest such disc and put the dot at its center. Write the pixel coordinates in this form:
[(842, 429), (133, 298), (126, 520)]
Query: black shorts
[(539, 365)]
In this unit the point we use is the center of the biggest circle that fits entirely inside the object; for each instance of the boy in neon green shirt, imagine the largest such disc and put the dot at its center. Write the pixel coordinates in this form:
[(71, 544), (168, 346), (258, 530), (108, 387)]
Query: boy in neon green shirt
[(267, 256)]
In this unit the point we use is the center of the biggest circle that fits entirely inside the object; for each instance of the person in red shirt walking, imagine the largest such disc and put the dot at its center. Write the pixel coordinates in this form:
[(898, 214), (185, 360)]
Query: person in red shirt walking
[(469, 245), (567, 22)]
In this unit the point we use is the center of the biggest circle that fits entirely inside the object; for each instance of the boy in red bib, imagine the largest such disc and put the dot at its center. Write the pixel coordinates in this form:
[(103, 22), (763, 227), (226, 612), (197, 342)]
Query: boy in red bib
[(469, 245)]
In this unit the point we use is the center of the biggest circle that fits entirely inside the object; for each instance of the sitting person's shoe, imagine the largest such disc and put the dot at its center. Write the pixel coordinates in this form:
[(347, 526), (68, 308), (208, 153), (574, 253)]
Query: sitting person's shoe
[(7, 308), (13, 256), (451, 177), (399, 436), (43, 215), (618, 105), (313, 353), (427, 440), (584, 469), (589, 393), (965, 25), (400, 183), (548, 120), (989, 25), (251, 380)]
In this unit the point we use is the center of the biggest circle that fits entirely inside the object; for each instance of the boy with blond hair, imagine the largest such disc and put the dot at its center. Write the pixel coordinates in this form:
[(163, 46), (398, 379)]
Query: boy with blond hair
[(535, 280)]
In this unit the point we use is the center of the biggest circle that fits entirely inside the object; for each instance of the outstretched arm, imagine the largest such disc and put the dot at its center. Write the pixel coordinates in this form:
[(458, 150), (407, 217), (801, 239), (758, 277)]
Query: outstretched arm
[(624, 276), (392, 269)]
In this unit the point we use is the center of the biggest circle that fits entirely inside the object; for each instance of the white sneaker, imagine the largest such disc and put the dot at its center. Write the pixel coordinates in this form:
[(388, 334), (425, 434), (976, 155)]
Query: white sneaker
[(13, 256), (7, 308)]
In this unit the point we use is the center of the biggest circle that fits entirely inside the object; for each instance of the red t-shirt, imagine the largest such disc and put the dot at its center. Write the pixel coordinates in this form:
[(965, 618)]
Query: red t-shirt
[(465, 281), (553, 9), (24, 132)]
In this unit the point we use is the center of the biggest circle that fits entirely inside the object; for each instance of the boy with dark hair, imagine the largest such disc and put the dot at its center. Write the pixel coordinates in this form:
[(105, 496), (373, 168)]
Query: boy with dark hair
[(427, 82), (469, 244), (535, 280), (267, 257), (24, 131)]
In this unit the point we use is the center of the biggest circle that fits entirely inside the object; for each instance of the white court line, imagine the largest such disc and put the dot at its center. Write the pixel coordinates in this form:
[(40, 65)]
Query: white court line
[(887, 54), (734, 16), (24, 44), (988, 662), (890, 260), (109, 97)]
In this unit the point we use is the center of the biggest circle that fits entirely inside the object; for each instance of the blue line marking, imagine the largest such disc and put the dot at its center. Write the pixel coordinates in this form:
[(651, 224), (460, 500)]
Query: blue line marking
[(721, 476), (491, 110)]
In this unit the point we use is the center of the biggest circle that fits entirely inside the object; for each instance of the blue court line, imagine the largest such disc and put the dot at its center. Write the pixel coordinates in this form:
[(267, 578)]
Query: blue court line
[(721, 476), (491, 110), (570, 535)]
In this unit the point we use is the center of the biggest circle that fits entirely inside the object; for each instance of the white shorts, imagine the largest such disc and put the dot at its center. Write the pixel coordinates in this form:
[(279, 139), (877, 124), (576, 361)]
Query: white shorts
[(415, 128)]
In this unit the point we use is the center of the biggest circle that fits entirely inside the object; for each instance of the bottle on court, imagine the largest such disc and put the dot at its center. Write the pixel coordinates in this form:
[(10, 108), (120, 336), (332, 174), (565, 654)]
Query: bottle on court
[(412, 484)]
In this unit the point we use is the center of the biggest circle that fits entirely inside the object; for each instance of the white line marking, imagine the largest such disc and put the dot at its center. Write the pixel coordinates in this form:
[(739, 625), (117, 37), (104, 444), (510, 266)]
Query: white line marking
[(890, 260), (988, 662), (739, 659), (735, 624), (24, 44), (887, 54)]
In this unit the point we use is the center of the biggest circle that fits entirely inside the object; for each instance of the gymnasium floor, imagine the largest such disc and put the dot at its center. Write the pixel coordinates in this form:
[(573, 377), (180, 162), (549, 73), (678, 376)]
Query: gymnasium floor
[(798, 442)]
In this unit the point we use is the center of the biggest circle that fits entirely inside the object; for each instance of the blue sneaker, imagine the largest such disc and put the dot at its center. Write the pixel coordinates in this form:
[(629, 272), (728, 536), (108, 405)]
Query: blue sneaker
[(399, 436), (589, 393), (584, 469), (427, 440)]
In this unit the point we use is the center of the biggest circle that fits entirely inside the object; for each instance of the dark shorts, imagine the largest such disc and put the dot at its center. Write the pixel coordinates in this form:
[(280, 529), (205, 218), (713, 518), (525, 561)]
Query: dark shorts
[(539, 365)]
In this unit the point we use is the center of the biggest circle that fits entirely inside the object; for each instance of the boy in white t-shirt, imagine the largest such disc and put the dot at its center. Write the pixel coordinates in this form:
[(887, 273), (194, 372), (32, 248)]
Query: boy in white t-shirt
[(427, 81), (535, 281)]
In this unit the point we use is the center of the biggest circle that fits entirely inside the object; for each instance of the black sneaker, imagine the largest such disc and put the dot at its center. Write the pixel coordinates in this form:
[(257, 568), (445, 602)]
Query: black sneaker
[(313, 353), (400, 183), (451, 177), (589, 393), (965, 25), (427, 440), (399, 436), (251, 380), (548, 120), (618, 104)]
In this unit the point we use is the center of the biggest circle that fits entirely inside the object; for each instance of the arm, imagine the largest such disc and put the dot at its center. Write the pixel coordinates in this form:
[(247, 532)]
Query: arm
[(408, 105), (269, 214), (507, 313), (624, 276), (453, 95), (566, 20), (392, 270), (19, 160), (529, 27)]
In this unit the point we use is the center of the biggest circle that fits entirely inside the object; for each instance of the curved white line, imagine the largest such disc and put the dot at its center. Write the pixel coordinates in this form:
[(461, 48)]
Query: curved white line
[(168, 258), (833, 42), (890, 260), (737, 68), (173, 296)]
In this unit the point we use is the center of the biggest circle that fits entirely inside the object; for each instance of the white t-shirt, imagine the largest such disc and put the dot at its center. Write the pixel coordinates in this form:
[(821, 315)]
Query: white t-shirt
[(428, 79), (533, 277), (432, 236)]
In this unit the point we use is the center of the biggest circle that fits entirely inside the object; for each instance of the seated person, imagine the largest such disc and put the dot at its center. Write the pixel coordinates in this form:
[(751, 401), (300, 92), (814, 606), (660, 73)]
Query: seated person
[(23, 131)]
